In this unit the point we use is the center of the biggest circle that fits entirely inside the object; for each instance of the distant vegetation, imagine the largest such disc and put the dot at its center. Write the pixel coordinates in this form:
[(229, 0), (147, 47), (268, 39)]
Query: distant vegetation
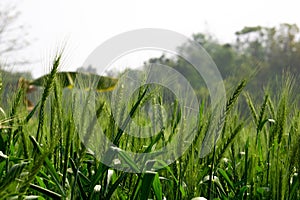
[(262, 53)]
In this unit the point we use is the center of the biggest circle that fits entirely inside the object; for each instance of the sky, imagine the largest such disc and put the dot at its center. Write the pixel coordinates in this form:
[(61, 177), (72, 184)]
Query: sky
[(84, 25)]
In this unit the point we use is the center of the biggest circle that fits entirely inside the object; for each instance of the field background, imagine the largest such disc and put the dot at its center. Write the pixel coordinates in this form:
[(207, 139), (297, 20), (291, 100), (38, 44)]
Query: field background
[(256, 156)]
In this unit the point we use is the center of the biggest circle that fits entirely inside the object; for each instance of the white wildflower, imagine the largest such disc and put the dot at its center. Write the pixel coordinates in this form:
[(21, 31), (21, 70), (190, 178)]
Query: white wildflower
[(116, 161), (214, 178), (199, 198), (110, 172), (271, 120), (3, 155), (97, 188)]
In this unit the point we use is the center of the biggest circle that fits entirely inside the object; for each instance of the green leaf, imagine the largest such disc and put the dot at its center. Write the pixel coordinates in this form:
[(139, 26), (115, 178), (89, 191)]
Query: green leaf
[(156, 139), (146, 184), (13, 173), (225, 176), (242, 192), (49, 166), (77, 177), (46, 192), (157, 188), (40, 181), (115, 186), (128, 160)]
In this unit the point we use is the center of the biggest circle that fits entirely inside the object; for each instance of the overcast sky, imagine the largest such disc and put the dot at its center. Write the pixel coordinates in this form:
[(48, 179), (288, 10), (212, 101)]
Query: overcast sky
[(86, 24)]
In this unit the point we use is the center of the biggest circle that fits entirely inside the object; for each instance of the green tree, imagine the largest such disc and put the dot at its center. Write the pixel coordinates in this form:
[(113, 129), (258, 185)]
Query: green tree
[(276, 47)]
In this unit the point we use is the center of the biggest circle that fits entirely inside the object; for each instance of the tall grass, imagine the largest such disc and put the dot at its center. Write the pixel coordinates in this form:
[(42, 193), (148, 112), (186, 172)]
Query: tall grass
[(255, 157)]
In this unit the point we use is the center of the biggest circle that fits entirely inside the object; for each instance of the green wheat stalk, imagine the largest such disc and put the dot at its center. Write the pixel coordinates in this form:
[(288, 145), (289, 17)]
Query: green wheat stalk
[(47, 90)]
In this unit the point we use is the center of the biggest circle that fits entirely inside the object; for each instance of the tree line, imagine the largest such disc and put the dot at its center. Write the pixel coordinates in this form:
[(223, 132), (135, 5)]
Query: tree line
[(260, 54)]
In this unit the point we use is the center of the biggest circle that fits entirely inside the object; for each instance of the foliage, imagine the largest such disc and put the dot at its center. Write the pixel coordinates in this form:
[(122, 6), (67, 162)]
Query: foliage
[(261, 54), (257, 157)]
